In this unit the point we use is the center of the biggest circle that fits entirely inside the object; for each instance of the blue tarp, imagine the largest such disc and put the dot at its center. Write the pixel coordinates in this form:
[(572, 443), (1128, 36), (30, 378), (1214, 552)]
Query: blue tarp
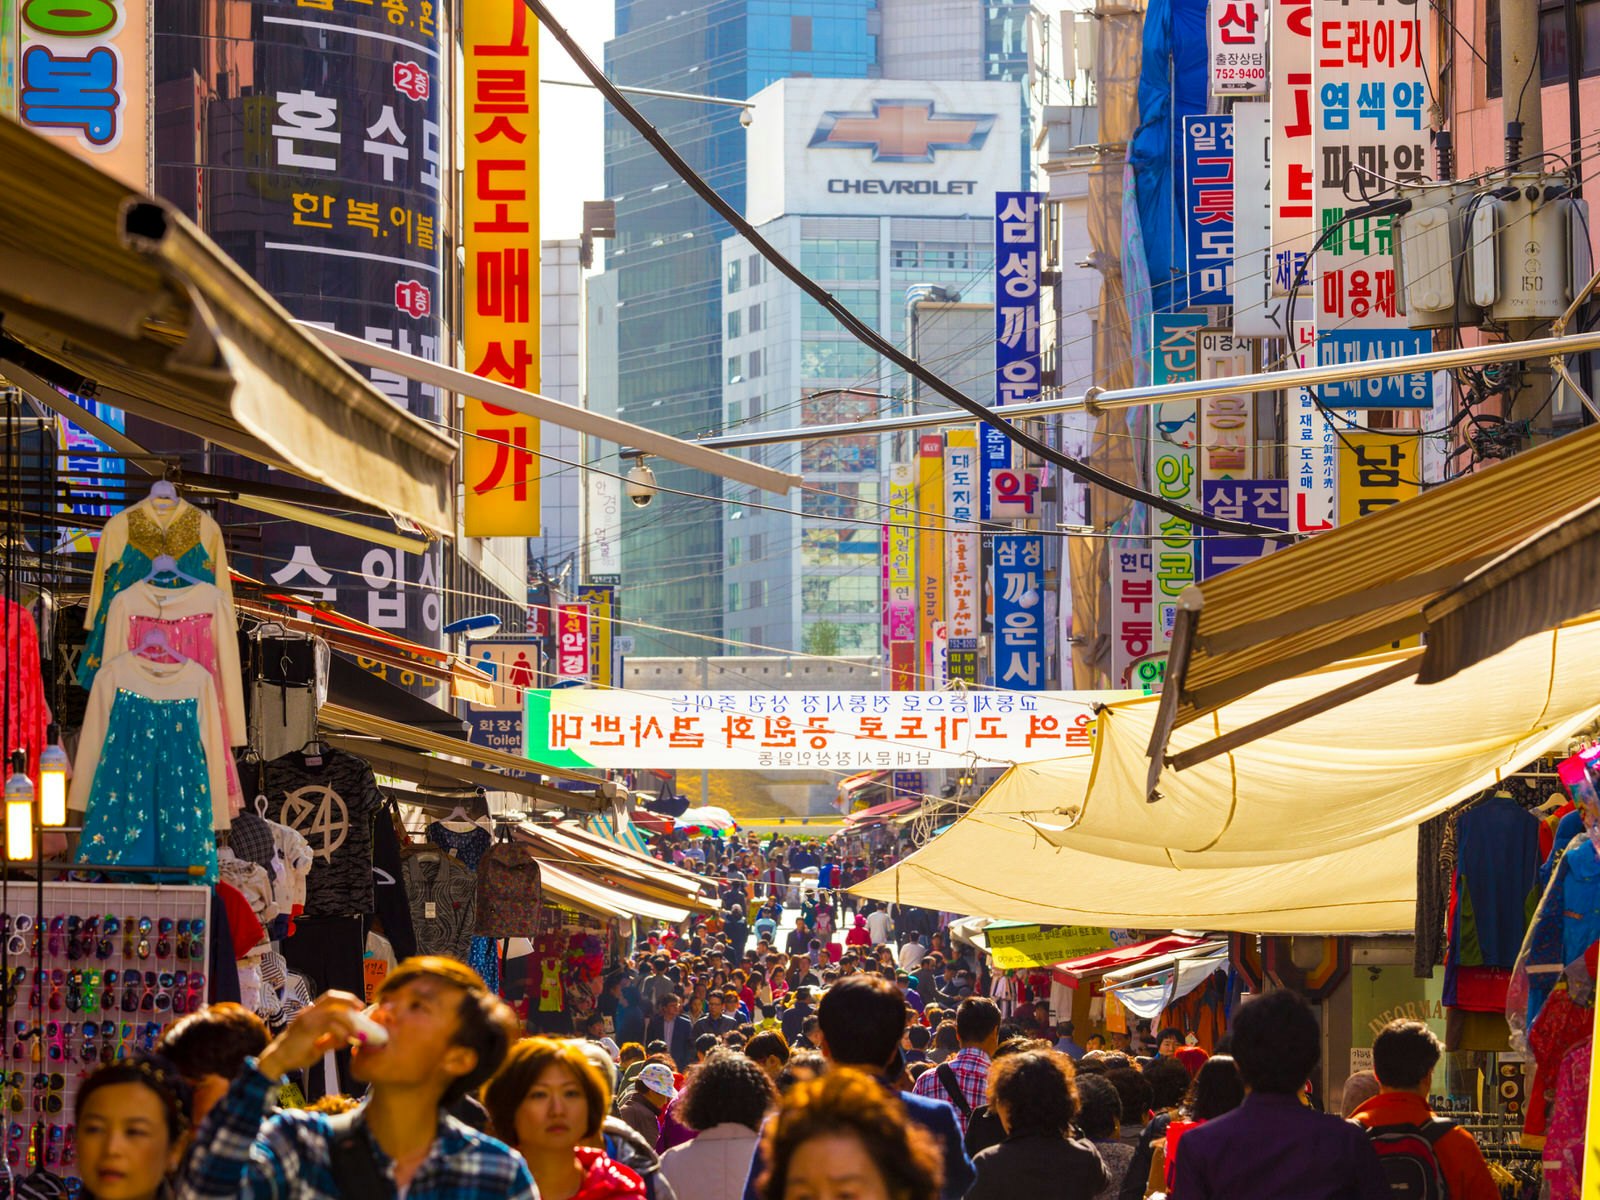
[(1172, 85)]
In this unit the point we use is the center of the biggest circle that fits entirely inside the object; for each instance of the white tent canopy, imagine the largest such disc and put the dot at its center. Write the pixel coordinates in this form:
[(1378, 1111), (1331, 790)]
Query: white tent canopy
[(1308, 830)]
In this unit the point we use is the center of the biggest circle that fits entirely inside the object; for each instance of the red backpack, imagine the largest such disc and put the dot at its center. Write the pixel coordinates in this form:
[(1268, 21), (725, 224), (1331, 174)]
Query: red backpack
[(1410, 1163)]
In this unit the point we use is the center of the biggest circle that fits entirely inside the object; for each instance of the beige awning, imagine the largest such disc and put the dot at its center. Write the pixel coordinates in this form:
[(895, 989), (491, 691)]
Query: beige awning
[(1364, 585), (106, 291), (428, 771)]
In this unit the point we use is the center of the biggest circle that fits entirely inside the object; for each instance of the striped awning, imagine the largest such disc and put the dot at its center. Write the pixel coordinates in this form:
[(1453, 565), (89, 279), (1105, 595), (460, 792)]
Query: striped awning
[(621, 831)]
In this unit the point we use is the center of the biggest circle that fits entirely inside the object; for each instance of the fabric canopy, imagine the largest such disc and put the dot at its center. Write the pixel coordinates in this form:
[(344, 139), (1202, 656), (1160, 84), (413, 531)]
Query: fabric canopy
[(105, 291), (881, 812), (1147, 998), (621, 831), (1075, 969)]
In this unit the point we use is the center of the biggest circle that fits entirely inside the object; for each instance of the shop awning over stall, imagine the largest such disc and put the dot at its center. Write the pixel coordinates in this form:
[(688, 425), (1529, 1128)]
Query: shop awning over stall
[(108, 292), (1366, 584), (879, 813), (622, 831), (1148, 990), (1089, 966), (639, 878)]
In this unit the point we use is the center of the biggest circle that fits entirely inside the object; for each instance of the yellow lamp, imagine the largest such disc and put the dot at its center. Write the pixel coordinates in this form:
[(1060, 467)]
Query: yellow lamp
[(19, 813), (55, 768)]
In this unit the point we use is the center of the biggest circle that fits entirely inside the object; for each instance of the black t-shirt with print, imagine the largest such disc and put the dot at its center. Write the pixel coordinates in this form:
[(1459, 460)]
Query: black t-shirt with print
[(332, 800)]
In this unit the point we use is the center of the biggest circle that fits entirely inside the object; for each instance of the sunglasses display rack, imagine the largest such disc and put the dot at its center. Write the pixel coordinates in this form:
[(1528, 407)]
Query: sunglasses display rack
[(121, 962)]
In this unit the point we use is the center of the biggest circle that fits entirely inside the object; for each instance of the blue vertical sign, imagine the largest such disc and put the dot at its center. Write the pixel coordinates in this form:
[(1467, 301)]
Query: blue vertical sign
[(1017, 361), (1258, 501), (1019, 612), (1208, 207)]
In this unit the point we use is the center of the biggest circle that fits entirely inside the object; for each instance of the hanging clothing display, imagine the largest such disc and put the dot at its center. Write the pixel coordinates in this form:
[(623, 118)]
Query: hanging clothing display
[(443, 893), (26, 716), (331, 799), (470, 846), (288, 675), (150, 779), (1495, 892), (130, 543)]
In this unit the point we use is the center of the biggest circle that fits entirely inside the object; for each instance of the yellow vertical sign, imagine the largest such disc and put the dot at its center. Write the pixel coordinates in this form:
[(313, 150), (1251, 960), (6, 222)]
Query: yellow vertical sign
[(500, 318), (930, 553), (600, 597), (1376, 471)]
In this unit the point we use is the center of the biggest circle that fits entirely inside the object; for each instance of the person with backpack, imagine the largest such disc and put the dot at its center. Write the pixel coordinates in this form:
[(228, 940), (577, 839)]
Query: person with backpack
[(963, 1081), (1272, 1146), (1424, 1156)]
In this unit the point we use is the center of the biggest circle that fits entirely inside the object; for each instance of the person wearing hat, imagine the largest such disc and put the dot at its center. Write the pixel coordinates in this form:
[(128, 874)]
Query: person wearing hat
[(653, 1090)]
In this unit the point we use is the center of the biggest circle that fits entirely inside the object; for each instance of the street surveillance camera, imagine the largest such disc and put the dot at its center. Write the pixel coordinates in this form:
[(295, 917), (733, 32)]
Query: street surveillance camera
[(640, 485), (745, 117)]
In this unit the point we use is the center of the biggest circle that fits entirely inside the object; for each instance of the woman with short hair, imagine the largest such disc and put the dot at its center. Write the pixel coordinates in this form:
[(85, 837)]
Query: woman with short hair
[(725, 1103), (1037, 1100)]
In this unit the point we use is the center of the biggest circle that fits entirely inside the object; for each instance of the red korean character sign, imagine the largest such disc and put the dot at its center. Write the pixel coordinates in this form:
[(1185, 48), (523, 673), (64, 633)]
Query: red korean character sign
[(572, 641), (1237, 31), (500, 454)]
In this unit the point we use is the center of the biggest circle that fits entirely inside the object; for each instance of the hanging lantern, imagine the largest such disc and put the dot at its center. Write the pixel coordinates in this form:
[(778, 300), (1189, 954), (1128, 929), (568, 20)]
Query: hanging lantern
[(19, 813), (55, 768)]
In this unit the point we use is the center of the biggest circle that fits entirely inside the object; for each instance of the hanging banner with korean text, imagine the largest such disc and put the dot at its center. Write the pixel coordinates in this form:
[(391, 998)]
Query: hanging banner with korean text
[(1294, 216), (591, 727), (1376, 471), (964, 599), (572, 642), (1208, 207), (1253, 311), (1135, 662), (500, 290), (1019, 626), (1258, 501), (82, 79), (1371, 97), (1313, 448), (1018, 230), (1174, 434), (1237, 32), (930, 552), (1227, 419)]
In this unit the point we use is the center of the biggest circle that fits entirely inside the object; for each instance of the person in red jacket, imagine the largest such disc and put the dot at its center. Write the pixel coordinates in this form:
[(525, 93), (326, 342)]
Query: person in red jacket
[(546, 1100), (1404, 1055)]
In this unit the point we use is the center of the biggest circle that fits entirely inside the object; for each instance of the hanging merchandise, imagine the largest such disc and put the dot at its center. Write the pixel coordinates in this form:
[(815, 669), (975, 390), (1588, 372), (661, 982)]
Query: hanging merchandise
[(509, 892), (331, 799), (470, 846), (193, 622), (288, 685), (443, 894), (150, 781), (162, 539), (1494, 893), (26, 715)]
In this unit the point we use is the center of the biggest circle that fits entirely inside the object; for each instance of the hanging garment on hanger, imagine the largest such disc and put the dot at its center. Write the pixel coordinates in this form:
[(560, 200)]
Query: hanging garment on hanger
[(150, 781), (27, 716), (470, 846), (293, 858), (131, 542), (1495, 893), (390, 906), (253, 883), (443, 894), (331, 799)]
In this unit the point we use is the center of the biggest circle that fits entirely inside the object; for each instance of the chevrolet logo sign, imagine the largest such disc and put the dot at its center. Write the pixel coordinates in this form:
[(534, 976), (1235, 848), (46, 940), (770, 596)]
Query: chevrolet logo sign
[(903, 131)]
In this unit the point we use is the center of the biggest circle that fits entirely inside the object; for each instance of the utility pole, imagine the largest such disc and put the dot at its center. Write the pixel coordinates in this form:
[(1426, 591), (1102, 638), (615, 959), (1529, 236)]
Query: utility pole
[(1522, 102)]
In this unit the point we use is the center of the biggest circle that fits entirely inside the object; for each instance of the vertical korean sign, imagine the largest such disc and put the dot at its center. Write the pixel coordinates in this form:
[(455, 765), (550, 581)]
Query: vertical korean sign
[(1259, 501), (1294, 220), (1376, 471), (1019, 647), (1133, 661), (1227, 419), (930, 553), (1208, 207), (82, 79), (1253, 315), (1175, 358), (1237, 35), (501, 288), (1371, 92), (963, 604), (1313, 452), (1017, 361), (901, 567), (572, 642), (601, 599)]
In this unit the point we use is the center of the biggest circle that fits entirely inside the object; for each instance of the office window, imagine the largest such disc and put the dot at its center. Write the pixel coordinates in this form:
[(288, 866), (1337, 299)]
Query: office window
[(756, 636), (839, 258), (754, 358), (756, 547), (733, 277), (735, 369), (758, 593), (733, 597), (755, 269), (799, 33), (755, 317), (736, 323), (735, 545), (849, 361), (755, 408), (861, 301), (840, 595), (931, 256), (735, 412)]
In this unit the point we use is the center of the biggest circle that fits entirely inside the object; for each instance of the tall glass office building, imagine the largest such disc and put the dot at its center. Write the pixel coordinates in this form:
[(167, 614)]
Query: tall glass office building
[(667, 258)]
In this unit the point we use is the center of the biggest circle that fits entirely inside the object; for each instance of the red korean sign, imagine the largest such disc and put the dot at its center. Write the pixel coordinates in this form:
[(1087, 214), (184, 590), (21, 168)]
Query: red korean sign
[(1237, 32), (572, 641)]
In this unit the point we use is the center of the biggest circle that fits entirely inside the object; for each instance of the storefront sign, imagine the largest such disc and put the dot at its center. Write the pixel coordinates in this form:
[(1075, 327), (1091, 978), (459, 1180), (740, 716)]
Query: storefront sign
[(1013, 495), (903, 666), (1135, 662), (1227, 419), (601, 600), (1254, 313), (1025, 947), (1313, 451), (1174, 467), (589, 727), (501, 284), (1237, 33), (964, 602), (930, 551), (1017, 350), (1258, 501), (1372, 135), (572, 642), (1376, 471), (82, 79), (1019, 639), (513, 668), (1294, 216), (1208, 207)]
